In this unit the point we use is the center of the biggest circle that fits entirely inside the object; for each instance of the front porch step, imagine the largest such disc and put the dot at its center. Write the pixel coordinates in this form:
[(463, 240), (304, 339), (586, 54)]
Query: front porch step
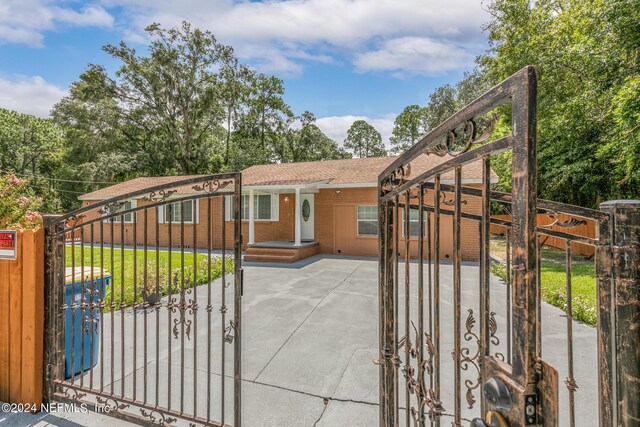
[(270, 258), (256, 251), (275, 254)]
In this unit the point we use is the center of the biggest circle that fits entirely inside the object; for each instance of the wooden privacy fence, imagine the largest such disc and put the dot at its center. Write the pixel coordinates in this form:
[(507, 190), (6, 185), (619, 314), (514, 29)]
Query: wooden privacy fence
[(585, 229), (22, 321)]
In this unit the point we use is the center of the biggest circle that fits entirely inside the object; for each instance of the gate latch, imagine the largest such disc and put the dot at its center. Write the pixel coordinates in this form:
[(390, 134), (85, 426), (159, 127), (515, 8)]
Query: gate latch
[(530, 409)]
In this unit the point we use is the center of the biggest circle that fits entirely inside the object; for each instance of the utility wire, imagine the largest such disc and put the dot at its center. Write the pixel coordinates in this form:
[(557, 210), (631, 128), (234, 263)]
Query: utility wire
[(61, 180), (56, 189)]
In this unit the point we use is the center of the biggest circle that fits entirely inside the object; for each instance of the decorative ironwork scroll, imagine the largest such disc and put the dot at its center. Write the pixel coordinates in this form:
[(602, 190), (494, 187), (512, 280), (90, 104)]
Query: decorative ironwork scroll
[(557, 222), (396, 178), (111, 403), (183, 306), (157, 417), (111, 208), (468, 138), (424, 396), (213, 186), (470, 359), (160, 196)]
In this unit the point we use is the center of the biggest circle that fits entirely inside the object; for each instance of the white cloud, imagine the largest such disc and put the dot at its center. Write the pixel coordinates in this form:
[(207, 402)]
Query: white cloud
[(31, 95), (25, 21), (281, 33), (90, 16), (417, 55), (336, 127)]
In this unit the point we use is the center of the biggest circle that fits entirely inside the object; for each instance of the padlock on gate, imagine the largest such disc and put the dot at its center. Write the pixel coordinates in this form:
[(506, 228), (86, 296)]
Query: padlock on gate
[(497, 396), (493, 419)]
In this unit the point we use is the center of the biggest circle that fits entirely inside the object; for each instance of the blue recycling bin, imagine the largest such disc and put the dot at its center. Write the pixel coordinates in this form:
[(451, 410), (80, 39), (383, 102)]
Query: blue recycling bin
[(80, 326)]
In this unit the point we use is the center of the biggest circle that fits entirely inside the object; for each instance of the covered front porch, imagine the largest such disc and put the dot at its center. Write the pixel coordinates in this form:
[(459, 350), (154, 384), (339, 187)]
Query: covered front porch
[(293, 211)]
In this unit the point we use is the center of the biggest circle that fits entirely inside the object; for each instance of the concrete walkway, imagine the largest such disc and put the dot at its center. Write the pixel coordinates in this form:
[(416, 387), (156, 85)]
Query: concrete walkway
[(309, 337)]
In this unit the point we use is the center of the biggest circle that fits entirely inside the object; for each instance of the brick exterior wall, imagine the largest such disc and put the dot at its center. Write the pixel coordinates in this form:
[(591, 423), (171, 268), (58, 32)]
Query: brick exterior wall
[(327, 202)]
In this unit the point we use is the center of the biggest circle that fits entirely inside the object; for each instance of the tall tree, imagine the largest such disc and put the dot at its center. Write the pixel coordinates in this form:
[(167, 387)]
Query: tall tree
[(308, 142), (364, 140), (408, 127), (28, 144), (442, 104), (588, 57), (235, 87), (32, 147), (169, 98)]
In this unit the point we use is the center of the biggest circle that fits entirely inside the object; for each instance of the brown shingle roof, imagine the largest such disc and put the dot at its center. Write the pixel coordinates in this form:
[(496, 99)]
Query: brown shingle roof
[(346, 171), (136, 184)]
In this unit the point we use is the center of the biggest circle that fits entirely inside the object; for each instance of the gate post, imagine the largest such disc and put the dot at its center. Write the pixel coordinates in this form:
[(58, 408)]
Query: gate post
[(388, 375), (619, 328), (53, 299)]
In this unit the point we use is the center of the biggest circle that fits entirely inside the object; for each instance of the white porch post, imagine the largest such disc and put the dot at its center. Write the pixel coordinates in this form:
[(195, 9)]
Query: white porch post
[(252, 234), (298, 224)]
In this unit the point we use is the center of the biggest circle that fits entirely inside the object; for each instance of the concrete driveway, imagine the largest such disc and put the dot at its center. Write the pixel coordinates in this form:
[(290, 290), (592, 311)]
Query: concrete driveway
[(309, 338)]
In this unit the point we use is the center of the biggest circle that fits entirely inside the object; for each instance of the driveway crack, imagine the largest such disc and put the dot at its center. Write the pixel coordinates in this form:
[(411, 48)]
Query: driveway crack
[(305, 319), (326, 403)]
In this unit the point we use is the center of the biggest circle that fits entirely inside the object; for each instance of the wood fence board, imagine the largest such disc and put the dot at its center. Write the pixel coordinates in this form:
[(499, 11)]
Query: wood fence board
[(15, 325), (585, 230), (22, 321), (33, 321), (4, 330)]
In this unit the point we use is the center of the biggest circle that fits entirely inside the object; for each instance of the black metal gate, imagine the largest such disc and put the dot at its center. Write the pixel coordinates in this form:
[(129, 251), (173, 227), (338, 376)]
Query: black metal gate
[(429, 309), (143, 304)]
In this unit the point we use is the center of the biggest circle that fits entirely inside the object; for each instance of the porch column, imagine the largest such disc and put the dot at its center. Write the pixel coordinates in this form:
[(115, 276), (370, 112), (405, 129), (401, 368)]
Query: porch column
[(298, 224), (252, 234)]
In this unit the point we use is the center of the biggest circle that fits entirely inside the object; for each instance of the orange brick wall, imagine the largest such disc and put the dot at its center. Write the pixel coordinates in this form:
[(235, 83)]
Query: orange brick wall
[(327, 224), (336, 213)]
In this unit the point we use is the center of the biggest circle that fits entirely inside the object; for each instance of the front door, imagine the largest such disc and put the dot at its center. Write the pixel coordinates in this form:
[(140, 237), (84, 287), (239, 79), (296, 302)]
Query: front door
[(307, 211)]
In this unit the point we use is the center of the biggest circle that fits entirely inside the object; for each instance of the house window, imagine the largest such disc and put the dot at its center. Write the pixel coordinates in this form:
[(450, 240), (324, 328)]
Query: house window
[(367, 220), (414, 223), (180, 211), (128, 217), (265, 207)]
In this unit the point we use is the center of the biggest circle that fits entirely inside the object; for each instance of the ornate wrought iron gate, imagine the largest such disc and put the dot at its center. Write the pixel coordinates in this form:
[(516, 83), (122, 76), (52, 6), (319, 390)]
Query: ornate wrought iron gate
[(422, 319), (133, 284)]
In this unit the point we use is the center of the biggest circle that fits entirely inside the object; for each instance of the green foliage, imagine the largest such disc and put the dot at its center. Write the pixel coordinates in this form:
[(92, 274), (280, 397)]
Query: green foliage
[(18, 205), (184, 106), (553, 282), (364, 140), (588, 57), (134, 287), (408, 127), (307, 143), (31, 147)]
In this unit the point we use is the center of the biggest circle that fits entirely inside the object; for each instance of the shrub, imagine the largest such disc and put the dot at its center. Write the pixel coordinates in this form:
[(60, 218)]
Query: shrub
[(18, 206), (171, 284)]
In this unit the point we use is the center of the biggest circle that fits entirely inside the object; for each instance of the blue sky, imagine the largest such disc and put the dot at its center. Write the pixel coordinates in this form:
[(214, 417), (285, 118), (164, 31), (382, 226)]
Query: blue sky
[(340, 59)]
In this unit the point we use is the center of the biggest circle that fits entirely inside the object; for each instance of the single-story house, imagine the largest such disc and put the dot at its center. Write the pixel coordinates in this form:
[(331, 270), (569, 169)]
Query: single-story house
[(292, 210)]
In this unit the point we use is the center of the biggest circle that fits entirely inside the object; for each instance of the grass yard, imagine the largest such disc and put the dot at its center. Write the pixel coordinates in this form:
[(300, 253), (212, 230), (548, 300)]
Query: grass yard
[(133, 286), (553, 280)]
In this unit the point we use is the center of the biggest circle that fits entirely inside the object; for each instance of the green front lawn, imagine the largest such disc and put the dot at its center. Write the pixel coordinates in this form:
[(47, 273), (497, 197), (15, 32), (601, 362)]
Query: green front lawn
[(133, 286), (553, 280)]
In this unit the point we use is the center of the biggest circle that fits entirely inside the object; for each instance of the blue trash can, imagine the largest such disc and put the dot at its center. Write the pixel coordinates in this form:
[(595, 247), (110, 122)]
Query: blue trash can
[(80, 327)]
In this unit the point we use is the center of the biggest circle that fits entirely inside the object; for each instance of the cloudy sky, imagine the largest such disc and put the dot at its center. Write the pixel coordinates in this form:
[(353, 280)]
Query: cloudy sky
[(341, 59)]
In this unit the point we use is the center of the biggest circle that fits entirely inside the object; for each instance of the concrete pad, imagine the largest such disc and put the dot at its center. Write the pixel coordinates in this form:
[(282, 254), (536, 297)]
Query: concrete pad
[(309, 336)]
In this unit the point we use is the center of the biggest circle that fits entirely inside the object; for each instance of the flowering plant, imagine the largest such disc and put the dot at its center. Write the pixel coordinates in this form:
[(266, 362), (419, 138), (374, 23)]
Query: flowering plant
[(18, 208)]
